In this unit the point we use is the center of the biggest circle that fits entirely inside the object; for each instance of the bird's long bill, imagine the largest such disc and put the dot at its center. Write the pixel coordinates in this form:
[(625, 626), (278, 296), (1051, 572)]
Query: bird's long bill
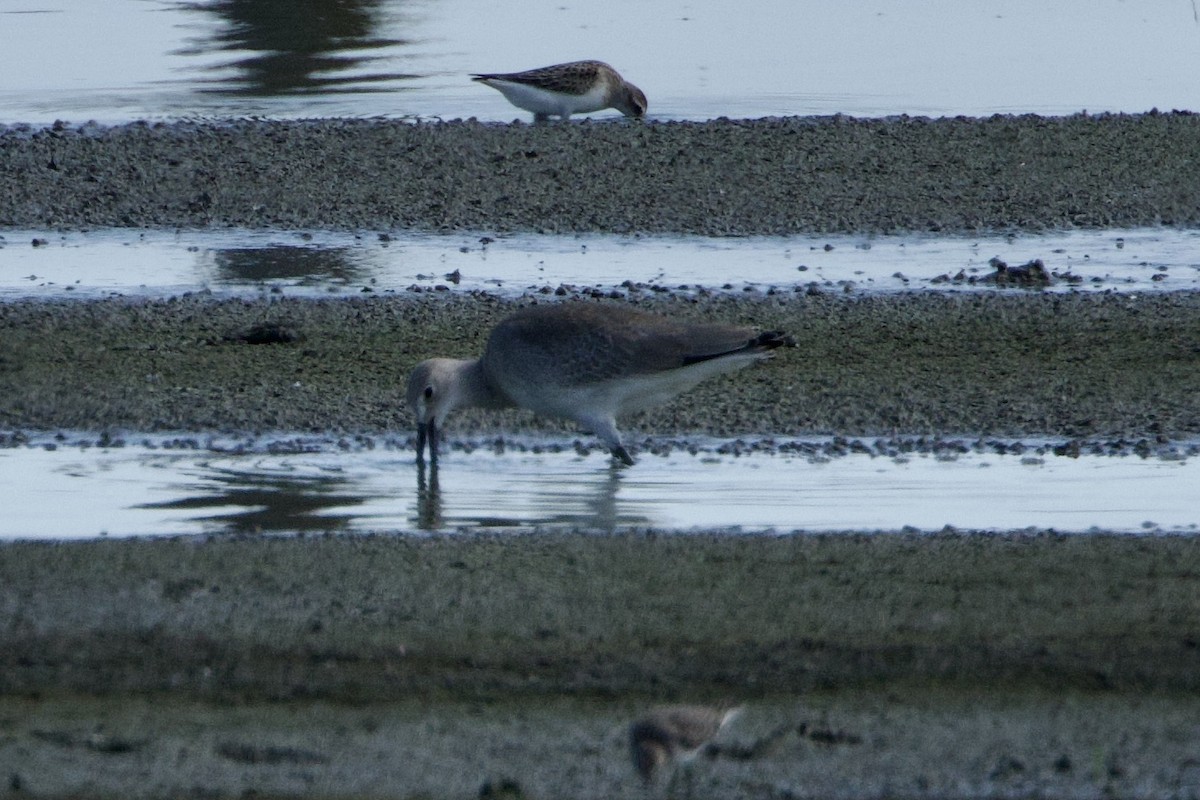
[(427, 434)]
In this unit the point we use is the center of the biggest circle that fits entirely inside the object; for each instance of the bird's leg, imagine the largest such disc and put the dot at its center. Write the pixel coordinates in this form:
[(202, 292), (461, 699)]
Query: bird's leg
[(427, 434), (605, 428)]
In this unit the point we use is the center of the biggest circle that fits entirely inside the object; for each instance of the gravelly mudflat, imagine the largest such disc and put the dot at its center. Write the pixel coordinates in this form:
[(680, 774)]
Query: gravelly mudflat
[(719, 178), (1071, 366)]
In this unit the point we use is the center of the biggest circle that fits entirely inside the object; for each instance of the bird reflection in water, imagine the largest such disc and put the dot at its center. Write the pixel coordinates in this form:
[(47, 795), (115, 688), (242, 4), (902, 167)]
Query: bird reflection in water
[(266, 501), (429, 497), (288, 47), (575, 501), (304, 265)]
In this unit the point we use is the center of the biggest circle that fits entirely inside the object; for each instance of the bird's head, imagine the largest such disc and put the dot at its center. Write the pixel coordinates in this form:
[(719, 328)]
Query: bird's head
[(434, 390), (631, 102)]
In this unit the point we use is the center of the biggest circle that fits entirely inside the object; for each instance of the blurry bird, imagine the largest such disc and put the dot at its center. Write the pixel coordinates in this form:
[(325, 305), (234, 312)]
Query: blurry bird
[(673, 736)]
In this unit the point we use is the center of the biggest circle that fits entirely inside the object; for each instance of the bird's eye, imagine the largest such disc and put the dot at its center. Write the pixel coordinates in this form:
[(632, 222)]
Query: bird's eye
[(428, 392)]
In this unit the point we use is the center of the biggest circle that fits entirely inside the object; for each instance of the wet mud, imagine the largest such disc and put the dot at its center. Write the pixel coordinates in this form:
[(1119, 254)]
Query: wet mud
[(963, 665)]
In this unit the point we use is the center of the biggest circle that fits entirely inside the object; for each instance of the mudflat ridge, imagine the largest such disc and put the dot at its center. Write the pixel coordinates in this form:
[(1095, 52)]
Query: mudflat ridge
[(1074, 366), (718, 178)]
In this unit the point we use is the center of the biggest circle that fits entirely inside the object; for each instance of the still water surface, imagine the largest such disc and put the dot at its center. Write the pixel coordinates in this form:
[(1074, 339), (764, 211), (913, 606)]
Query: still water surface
[(161, 263), (83, 492), (696, 59)]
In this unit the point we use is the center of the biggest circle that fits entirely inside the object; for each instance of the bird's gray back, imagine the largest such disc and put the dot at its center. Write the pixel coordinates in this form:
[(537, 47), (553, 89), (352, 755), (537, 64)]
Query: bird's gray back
[(577, 344)]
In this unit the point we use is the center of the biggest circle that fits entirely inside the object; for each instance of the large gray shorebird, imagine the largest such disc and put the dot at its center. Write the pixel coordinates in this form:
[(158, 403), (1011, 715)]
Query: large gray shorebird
[(578, 87), (584, 361)]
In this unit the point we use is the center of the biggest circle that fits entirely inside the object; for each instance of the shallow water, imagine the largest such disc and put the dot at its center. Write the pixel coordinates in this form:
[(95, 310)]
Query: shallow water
[(160, 263), (165, 486), (696, 59)]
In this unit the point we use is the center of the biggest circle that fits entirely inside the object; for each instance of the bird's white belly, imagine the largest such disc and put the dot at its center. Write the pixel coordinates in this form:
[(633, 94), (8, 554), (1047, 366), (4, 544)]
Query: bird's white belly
[(619, 396), (541, 101)]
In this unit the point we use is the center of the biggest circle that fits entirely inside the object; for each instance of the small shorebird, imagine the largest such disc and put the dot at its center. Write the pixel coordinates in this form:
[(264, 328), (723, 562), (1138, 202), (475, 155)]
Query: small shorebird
[(583, 361), (565, 89), (674, 735)]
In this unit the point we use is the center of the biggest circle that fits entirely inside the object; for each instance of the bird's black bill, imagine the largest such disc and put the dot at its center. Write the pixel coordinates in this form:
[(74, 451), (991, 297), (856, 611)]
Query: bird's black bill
[(760, 343), (772, 339), (427, 434)]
